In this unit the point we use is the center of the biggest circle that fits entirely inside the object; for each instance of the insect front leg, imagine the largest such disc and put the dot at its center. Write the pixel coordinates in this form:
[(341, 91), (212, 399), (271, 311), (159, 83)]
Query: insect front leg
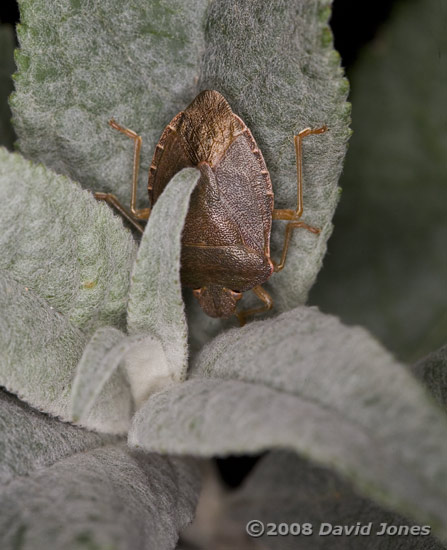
[(293, 216), (264, 296), (115, 203), (135, 214)]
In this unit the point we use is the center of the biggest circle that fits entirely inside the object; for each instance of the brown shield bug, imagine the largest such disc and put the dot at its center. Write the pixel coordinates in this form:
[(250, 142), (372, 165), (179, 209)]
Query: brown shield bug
[(226, 237)]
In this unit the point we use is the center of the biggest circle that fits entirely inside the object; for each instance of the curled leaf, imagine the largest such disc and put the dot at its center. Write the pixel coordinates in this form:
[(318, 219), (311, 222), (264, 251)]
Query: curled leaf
[(145, 371), (155, 299), (99, 361), (39, 351)]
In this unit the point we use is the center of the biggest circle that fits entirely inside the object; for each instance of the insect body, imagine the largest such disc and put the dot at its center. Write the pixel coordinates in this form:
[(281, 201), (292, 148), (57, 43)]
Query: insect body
[(226, 236)]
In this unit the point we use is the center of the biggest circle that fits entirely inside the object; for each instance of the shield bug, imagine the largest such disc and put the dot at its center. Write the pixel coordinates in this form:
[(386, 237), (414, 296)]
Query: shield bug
[(226, 236)]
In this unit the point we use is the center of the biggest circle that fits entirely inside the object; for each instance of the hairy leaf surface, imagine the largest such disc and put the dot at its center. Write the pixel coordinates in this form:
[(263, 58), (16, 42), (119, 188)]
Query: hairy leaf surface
[(30, 440), (302, 493), (155, 299), (103, 499), (335, 396), (58, 241)]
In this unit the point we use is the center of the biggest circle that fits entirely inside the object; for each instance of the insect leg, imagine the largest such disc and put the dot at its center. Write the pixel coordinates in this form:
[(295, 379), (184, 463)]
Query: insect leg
[(294, 215), (289, 228), (113, 201), (299, 163), (141, 214), (264, 296)]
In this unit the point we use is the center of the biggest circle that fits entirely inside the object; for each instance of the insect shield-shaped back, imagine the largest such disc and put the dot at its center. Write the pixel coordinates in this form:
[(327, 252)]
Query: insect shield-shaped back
[(226, 237)]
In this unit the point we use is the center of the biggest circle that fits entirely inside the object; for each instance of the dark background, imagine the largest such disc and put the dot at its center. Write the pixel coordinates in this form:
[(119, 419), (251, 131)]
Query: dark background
[(353, 24)]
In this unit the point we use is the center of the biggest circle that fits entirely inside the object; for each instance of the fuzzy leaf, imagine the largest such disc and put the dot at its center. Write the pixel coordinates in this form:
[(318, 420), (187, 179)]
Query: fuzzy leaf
[(301, 493), (432, 370), (104, 499), (7, 67), (39, 351), (30, 440), (280, 383), (101, 358), (155, 299), (63, 245), (146, 371), (387, 267), (39, 348), (80, 65), (156, 350)]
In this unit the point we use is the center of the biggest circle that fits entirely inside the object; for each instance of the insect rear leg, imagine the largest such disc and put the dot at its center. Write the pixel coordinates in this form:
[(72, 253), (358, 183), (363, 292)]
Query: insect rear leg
[(264, 296), (290, 215), (289, 228)]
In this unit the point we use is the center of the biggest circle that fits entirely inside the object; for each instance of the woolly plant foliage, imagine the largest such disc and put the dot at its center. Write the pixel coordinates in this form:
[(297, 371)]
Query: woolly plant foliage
[(62, 244), (53, 298), (155, 298), (64, 270), (155, 350), (83, 64), (65, 486), (31, 440), (357, 411), (152, 496), (74, 294), (69, 488), (315, 499)]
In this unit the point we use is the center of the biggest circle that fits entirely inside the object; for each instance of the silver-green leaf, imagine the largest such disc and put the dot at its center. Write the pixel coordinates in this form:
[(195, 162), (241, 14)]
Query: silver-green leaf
[(39, 352), (30, 440), (39, 348), (304, 494), (306, 382), (63, 245), (79, 65), (155, 299), (99, 361), (109, 498)]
